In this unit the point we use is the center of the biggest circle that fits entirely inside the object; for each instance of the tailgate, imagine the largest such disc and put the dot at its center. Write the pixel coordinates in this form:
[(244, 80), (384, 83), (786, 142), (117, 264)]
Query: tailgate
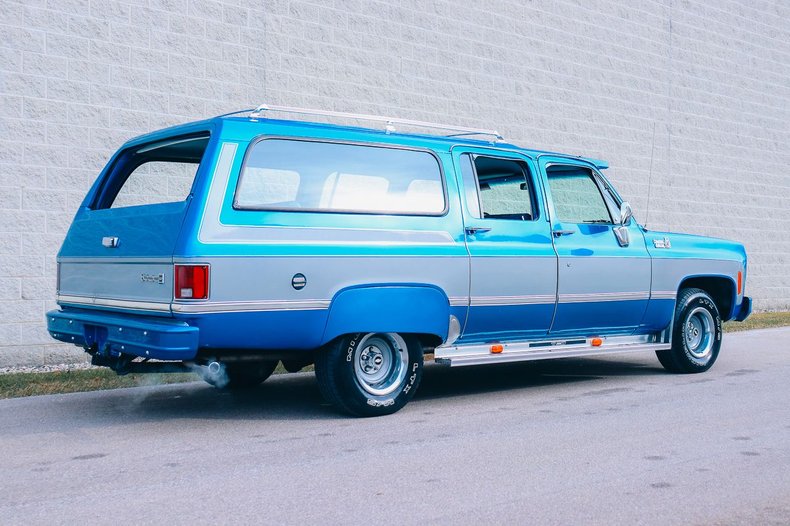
[(118, 252)]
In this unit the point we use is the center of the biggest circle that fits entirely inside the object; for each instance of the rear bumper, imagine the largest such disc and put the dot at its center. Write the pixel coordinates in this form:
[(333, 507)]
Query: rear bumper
[(745, 310), (125, 334)]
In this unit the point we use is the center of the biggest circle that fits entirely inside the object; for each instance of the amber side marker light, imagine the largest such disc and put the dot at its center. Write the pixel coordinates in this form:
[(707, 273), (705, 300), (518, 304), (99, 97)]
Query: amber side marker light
[(496, 349), (740, 282), (596, 342), (191, 282)]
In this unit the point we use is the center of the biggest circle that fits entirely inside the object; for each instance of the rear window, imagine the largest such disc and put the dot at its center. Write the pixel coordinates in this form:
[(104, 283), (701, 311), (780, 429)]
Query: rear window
[(154, 173), (298, 175)]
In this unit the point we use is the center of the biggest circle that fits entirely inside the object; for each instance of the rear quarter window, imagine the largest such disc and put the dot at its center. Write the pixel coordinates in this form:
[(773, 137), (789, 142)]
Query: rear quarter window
[(310, 176)]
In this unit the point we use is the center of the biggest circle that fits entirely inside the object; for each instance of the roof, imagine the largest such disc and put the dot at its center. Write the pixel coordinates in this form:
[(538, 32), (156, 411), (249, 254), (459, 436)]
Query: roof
[(243, 123)]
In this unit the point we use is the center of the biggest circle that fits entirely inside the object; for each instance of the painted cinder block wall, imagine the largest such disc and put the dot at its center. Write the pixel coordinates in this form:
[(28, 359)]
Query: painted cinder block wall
[(701, 87)]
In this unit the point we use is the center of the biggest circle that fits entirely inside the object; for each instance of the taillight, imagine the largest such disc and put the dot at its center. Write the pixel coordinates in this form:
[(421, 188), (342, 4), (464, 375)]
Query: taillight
[(191, 282)]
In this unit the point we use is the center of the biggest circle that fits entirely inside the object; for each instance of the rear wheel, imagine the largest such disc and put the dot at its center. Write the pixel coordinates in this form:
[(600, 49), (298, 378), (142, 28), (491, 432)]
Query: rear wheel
[(696, 334), (370, 374)]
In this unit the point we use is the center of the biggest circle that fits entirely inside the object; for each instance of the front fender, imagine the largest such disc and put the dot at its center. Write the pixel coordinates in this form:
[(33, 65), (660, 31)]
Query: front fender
[(419, 309)]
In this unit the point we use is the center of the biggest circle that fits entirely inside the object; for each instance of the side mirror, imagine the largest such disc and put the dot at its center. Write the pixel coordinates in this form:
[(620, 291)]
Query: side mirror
[(625, 213)]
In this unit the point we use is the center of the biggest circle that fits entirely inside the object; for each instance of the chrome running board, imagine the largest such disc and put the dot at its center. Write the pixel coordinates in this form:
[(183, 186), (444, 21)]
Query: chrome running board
[(496, 352)]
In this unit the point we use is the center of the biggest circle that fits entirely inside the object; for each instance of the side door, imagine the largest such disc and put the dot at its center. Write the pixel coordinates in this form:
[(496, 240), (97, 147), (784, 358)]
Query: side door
[(513, 276), (604, 282)]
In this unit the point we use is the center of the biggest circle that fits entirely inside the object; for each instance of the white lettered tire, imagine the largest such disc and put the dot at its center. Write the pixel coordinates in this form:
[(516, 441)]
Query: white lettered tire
[(696, 334), (370, 374)]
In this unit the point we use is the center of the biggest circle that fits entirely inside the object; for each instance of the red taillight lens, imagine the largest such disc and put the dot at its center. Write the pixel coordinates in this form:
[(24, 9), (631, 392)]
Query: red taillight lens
[(191, 282)]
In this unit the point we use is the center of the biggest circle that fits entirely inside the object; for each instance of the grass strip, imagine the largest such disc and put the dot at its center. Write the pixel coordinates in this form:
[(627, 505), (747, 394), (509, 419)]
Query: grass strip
[(14, 385), (759, 320)]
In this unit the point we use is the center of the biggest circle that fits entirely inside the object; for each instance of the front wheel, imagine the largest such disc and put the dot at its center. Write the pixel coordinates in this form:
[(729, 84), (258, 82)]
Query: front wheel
[(370, 374), (696, 334)]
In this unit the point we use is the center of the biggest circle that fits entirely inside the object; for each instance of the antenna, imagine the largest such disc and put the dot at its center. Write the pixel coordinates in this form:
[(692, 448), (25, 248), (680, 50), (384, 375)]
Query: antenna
[(650, 175)]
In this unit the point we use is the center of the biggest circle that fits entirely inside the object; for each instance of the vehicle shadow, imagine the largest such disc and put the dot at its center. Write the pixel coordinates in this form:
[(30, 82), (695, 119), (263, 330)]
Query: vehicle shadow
[(297, 397), (440, 382)]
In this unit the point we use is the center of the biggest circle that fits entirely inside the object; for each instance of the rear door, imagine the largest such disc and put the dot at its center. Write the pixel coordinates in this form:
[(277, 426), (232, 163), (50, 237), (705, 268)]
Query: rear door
[(118, 252), (513, 264)]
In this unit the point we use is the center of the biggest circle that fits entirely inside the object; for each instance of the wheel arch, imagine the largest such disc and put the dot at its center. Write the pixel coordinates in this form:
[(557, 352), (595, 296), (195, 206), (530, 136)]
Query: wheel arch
[(720, 288), (408, 308)]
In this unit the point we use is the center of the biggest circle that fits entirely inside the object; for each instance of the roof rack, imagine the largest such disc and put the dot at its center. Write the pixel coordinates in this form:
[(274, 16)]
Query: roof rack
[(389, 122)]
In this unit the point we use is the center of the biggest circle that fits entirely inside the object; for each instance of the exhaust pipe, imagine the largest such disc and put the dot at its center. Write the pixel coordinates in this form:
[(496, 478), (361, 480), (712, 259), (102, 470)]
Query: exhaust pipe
[(214, 373), (214, 368)]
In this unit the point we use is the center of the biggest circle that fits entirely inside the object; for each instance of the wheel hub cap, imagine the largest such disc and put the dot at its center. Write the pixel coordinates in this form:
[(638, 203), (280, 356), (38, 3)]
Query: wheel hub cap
[(371, 359), (698, 332), (380, 363)]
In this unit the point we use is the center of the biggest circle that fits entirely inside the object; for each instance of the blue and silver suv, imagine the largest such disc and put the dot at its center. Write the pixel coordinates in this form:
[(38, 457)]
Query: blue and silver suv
[(231, 244)]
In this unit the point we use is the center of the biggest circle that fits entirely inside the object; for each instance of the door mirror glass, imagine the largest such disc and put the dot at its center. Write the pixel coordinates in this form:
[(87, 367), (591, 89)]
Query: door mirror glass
[(625, 213)]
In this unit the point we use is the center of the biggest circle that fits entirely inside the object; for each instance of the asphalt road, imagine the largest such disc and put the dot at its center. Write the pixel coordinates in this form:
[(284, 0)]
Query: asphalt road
[(576, 441)]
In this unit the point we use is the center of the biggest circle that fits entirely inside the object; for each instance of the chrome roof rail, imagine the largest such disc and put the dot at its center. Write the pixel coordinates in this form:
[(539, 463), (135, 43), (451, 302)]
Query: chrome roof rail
[(389, 122)]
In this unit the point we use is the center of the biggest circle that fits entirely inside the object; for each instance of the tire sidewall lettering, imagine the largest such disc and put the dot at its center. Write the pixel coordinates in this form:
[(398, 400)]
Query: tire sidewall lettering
[(352, 345)]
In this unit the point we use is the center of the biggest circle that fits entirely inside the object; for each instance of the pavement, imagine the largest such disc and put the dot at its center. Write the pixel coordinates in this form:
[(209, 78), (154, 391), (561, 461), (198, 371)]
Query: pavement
[(577, 441)]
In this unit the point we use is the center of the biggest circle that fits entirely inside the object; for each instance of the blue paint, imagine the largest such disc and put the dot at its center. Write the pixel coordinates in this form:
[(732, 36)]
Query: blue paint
[(508, 323), (598, 318), (406, 309), (658, 315), (275, 330), (125, 333)]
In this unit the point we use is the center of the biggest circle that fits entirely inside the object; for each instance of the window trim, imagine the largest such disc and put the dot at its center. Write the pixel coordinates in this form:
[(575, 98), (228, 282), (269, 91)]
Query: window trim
[(527, 177), (596, 181), (254, 142)]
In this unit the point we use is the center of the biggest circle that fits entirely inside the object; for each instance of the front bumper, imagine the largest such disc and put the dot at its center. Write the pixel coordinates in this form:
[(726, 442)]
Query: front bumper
[(114, 334), (745, 310)]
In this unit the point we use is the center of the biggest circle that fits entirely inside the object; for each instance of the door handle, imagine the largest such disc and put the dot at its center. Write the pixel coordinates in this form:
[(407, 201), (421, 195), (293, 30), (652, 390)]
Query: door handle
[(472, 230), (560, 233)]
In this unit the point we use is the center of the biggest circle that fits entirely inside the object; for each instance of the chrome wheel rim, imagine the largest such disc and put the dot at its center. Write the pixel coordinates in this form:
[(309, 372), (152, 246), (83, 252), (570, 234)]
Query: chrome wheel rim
[(380, 363), (698, 333)]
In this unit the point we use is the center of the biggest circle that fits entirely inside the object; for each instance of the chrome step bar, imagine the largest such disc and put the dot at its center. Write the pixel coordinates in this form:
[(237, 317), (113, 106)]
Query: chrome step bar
[(389, 122), (496, 352)]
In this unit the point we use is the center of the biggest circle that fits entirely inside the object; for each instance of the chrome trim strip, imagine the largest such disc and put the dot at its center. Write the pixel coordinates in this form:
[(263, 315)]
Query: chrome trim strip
[(604, 296), (318, 304), (663, 295), (108, 302), (251, 306), (459, 301), (488, 301), (116, 259)]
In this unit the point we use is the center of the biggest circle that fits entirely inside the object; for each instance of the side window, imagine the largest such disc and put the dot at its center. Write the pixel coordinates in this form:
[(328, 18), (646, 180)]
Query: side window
[(505, 189), (276, 187), (304, 175), (153, 173), (156, 182), (576, 196)]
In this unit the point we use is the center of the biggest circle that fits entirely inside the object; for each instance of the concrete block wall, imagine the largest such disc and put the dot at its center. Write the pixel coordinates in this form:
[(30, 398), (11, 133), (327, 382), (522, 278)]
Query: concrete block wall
[(701, 88)]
